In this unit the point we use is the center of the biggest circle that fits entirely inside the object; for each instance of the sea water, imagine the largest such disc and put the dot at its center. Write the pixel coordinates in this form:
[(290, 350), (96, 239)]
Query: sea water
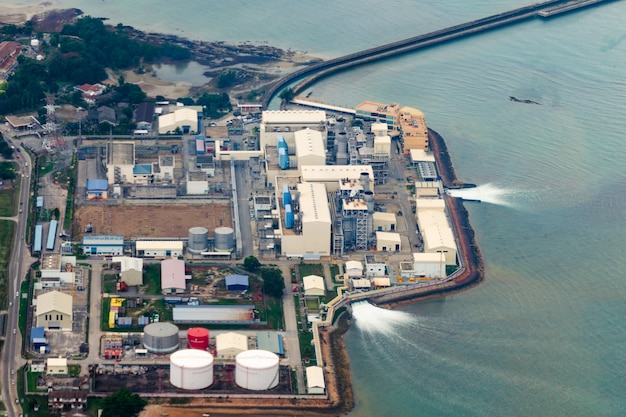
[(544, 334)]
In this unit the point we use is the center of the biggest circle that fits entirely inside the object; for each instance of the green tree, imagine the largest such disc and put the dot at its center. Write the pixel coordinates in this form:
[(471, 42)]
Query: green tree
[(226, 79), (122, 403), (251, 263), (273, 282), (287, 95)]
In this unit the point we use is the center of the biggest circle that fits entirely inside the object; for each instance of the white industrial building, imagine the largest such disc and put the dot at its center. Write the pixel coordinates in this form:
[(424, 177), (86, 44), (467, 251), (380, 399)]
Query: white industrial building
[(56, 366), (331, 175), (310, 236), (437, 204), (437, 234), (384, 222), (184, 119), (374, 268), (313, 286), (354, 269), (229, 345), (280, 122), (427, 189), (432, 265), (315, 380), (310, 149), (54, 265), (131, 269), (197, 183), (158, 248), (388, 242)]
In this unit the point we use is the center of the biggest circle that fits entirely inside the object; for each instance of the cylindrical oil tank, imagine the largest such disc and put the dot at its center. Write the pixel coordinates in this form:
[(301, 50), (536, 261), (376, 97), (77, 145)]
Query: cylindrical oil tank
[(224, 239), (198, 338), (198, 240), (191, 369), (160, 337), (256, 370)]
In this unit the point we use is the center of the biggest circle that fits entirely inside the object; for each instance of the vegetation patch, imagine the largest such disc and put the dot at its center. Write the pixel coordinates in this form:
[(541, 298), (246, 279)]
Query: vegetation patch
[(311, 269)]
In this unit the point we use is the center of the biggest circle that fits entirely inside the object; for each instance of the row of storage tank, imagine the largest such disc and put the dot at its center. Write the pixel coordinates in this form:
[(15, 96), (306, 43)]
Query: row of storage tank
[(224, 240), (255, 370), (193, 368)]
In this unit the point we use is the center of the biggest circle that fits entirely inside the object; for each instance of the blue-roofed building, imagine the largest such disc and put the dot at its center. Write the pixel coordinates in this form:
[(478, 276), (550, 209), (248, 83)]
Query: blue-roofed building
[(38, 238), (142, 169), (103, 245), (52, 234), (37, 333), (270, 341), (97, 189), (39, 202), (237, 282)]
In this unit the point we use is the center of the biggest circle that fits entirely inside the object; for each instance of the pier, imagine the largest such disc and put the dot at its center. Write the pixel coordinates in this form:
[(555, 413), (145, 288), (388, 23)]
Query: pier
[(313, 73)]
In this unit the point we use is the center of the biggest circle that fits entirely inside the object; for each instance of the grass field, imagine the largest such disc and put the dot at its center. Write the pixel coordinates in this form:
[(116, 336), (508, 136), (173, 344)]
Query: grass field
[(311, 269), (9, 196)]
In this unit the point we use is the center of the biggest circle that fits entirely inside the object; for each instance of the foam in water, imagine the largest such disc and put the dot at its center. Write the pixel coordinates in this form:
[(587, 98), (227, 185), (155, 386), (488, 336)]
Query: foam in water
[(487, 193), (372, 319)]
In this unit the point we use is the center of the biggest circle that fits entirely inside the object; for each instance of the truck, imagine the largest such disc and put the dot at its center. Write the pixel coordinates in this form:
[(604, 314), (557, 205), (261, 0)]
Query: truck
[(121, 286)]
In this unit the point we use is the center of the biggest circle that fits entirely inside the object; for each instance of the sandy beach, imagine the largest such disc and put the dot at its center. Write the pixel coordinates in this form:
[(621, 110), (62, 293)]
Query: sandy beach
[(17, 15)]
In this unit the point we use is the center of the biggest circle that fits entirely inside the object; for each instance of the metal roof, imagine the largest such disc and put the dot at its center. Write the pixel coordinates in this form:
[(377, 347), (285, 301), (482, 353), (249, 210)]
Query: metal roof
[(270, 341), (237, 314), (54, 301), (173, 274), (97, 185)]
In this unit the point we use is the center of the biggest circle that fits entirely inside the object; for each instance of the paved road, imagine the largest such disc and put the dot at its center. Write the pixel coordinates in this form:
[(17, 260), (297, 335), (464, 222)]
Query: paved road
[(19, 263), (291, 328)]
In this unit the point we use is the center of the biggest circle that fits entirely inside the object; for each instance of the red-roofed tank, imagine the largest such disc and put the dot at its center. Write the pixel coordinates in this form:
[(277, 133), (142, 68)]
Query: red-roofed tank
[(198, 338)]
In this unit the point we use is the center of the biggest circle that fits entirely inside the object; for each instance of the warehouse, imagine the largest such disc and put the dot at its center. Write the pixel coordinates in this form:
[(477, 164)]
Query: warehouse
[(236, 282), (230, 344), (279, 122), (215, 314), (313, 286), (384, 222), (310, 148), (354, 269), (97, 189), (315, 380), (184, 120), (131, 269), (158, 248), (309, 236), (388, 242), (103, 244), (437, 234), (173, 278), (54, 311)]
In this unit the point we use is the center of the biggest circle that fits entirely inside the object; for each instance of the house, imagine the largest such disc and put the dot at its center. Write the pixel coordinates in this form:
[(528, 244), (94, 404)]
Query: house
[(90, 92), (173, 276), (57, 366), (9, 52), (237, 282), (54, 311), (107, 115), (230, 344), (313, 286)]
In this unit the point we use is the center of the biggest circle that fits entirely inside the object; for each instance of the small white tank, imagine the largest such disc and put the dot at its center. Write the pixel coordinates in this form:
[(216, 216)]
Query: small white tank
[(191, 369), (256, 370)]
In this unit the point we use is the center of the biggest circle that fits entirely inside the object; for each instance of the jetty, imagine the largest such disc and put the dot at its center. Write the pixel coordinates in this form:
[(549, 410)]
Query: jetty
[(313, 73)]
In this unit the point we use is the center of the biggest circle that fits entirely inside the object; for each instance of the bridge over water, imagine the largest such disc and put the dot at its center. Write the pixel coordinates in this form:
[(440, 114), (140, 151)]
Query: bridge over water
[(313, 73)]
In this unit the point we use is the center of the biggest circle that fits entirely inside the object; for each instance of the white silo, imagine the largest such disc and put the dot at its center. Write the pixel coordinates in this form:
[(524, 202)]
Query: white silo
[(256, 370), (224, 239), (191, 369), (160, 337), (198, 240)]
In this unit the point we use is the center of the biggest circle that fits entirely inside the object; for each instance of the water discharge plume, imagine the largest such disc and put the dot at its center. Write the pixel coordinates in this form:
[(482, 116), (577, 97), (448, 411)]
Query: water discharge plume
[(372, 319), (486, 193)]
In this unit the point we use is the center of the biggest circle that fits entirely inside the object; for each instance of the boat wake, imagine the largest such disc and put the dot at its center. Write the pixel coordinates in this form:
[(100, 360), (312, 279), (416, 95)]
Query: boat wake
[(487, 193)]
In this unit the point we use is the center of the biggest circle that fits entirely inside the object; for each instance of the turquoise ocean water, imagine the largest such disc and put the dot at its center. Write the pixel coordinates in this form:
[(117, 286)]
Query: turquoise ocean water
[(544, 335)]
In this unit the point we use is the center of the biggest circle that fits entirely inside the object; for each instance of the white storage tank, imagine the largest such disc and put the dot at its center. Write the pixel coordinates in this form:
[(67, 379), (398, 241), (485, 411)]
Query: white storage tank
[(160, 337), (198, 240), (256, 370), (224, 239), (191, 369)]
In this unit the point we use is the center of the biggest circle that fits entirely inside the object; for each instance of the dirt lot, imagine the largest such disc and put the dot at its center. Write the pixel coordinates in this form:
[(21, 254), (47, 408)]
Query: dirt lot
[(169, 220)]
